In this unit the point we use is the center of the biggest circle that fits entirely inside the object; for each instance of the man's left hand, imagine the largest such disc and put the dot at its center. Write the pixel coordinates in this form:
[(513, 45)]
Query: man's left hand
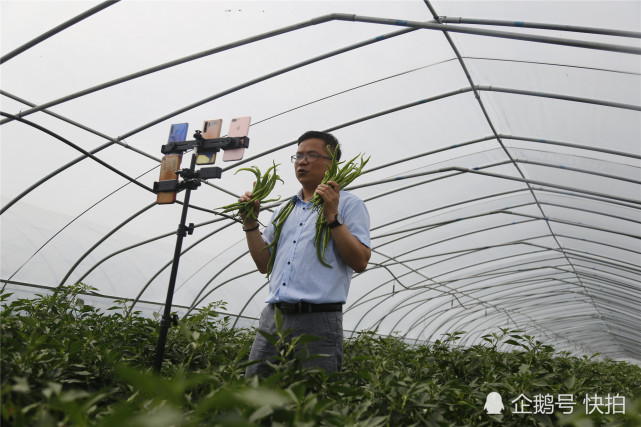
[(330, 194)]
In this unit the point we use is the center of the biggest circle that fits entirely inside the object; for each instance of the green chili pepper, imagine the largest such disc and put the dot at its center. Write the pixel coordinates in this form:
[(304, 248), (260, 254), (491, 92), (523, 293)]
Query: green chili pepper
[(278, 222), (343, 176), (262, 188)]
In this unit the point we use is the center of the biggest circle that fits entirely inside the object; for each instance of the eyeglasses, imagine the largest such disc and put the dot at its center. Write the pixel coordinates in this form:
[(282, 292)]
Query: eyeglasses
[(310, 158)]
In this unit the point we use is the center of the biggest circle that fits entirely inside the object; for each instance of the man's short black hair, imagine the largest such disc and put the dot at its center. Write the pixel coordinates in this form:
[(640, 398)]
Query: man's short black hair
[(328, 138)]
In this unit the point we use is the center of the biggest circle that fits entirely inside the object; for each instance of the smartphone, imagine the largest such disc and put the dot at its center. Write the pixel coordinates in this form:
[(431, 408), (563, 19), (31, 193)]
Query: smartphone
[(171, 163), (238, 127), (211, 130), (168, 167), (178, 132)]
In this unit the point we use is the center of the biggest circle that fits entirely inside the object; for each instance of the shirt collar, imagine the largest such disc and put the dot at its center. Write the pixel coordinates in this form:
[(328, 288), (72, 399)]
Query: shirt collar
[(299, 196)]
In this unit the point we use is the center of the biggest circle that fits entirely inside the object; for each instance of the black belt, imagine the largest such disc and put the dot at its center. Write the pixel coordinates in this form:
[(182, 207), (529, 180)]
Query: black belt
[(304, 307)]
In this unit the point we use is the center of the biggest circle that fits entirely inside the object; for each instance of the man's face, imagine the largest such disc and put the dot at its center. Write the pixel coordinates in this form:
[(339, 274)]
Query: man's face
[(309, 173)]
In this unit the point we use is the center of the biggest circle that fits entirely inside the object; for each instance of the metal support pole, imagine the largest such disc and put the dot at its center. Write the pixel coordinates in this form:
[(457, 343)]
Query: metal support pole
[(182, 231)]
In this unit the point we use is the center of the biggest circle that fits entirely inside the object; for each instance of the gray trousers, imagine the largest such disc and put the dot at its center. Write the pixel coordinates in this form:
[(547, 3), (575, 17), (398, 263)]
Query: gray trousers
[(327, 326)]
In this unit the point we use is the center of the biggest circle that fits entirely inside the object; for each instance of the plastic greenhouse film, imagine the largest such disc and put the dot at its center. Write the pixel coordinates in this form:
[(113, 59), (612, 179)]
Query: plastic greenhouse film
[(171, 163), (211, 130), (238, 127)]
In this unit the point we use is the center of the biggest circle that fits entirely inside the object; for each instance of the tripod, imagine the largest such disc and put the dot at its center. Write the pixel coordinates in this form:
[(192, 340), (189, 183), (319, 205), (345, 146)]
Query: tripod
[(191, 181)]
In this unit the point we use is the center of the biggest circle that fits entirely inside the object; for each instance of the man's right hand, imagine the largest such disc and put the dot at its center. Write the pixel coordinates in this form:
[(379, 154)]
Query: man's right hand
[(255, 241), (250, 222)]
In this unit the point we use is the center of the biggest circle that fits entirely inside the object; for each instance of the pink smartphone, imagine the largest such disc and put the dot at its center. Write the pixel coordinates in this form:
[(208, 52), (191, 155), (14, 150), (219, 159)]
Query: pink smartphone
[(211, 130), (238, 127)]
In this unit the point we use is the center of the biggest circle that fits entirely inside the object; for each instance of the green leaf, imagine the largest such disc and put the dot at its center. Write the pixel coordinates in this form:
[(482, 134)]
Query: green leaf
[(305, 338), (261, 413), (71, 395), (272, 338), (570, 382), (52, 388), (540, 382), (278, 319), (262, 397), (21, 385)]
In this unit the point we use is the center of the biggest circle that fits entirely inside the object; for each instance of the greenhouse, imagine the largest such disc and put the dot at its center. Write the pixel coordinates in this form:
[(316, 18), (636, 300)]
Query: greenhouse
[(504, 141)]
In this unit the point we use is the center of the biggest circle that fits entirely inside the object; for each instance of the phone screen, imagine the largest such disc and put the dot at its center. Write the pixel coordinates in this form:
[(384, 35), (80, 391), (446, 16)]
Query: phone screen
[(238, 127), (178, 132), (211, 130)]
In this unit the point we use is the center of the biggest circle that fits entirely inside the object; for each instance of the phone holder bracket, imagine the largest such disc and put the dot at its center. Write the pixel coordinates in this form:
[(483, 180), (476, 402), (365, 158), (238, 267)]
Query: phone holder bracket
[(214, 144), (191, 179), (184, 230)]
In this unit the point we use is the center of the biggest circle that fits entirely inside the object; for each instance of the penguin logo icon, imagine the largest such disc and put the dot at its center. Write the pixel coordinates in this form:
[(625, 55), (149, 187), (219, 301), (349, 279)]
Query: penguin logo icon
[(493, 403)]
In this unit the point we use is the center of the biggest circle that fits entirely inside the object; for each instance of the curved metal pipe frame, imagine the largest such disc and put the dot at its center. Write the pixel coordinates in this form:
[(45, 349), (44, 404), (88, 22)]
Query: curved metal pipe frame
[(251, 298), (540, 313), (539, 25), (609, 273), (230, 280), (494, 287), (144, 288), (493, 319), (492, 299), (402, 304), (483, 298), (57, 29), (427, 3), (622, 294), (100, 241), (478, 326), (458, 289), (194, 302), (437, 284), (417, 285)]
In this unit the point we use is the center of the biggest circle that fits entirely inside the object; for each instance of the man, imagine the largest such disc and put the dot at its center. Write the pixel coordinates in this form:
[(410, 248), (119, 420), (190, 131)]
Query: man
[(309, 294)]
